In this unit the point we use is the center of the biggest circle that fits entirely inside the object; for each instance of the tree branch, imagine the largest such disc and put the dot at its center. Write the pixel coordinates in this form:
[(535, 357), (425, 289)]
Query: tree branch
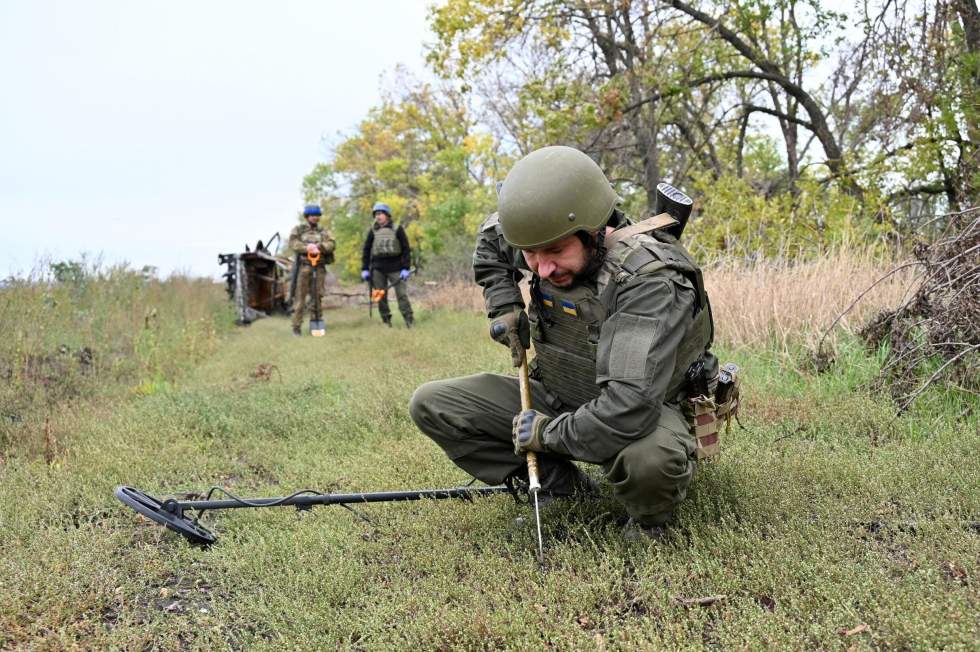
[(752, 108)]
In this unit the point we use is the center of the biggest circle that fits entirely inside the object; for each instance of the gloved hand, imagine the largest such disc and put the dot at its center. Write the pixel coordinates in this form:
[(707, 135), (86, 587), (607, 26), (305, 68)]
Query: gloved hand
[(365, 275), (513, 330), (528, 431), (404, 274)]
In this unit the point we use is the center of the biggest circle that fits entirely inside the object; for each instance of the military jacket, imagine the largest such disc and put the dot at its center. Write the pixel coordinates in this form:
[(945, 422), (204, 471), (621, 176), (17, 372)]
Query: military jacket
[(304, 234), (612, 349)]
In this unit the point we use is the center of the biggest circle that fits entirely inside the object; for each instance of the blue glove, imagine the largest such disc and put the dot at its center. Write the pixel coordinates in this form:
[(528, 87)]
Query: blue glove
[(404, 274), (365, 274)]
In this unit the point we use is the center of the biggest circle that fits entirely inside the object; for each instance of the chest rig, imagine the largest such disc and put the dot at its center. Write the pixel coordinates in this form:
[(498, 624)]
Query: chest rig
[(566, 323)]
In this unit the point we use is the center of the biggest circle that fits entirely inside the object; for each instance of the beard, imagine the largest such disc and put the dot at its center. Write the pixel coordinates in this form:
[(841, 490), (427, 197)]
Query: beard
[(595, 252)]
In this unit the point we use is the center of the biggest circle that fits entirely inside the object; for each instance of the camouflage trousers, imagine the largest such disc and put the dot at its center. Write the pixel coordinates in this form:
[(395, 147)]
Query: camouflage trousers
[(304, 281), (470, 419), (388, 281)]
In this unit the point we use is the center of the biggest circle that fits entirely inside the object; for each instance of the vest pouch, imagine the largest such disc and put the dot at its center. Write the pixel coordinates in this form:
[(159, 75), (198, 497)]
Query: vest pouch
[(700, 412), (706, 414), (728, 393)]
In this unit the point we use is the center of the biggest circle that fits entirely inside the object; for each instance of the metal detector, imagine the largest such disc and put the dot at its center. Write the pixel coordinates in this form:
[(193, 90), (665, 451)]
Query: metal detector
[(171, 513), (317, 327)]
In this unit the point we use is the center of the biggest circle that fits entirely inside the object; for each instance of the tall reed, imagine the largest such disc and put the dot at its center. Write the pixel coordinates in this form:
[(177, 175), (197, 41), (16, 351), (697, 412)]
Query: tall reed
[(784, 301)]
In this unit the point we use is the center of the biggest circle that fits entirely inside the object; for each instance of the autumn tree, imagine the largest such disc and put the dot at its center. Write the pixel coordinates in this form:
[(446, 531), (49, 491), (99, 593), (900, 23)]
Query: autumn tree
[(419, 152)]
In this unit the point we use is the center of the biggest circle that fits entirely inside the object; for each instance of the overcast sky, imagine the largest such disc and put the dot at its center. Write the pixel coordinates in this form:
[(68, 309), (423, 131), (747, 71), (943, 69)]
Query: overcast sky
[(163, 133)]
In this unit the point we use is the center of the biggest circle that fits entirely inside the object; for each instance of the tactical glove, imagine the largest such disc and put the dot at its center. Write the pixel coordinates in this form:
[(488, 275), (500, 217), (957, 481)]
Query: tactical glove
[(365, 274), (404, 274), (528, 431), (513, 330)]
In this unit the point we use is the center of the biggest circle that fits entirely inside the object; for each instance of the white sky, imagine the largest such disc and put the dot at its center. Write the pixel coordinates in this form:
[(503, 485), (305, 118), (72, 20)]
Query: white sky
[(164, 132)]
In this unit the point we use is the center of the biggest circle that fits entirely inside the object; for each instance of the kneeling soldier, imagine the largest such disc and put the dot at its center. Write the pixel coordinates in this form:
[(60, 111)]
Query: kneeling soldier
[(618, 315)]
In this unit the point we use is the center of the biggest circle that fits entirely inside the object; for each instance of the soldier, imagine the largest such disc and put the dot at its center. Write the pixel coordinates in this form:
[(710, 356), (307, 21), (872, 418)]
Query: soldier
[(618, 314), (385, 261), (305, 239)]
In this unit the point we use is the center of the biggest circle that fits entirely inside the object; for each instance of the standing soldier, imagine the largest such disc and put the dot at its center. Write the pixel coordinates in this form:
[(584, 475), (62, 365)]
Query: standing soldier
[(306, 239), (618, 316), (385, 261)]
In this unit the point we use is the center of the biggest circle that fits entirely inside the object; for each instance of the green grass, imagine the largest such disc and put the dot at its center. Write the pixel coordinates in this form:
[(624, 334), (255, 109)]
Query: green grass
[(823, 514), (90, 335)]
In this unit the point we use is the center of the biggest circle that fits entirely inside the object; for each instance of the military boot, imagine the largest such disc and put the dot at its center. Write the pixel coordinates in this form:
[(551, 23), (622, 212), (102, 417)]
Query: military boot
[(565, 480), (297, 331), (409, 321), (559, 481), (386, 321)]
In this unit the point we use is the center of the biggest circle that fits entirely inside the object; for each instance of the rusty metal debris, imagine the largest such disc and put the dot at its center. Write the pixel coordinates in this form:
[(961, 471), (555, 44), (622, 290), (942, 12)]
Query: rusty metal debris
[(258, 281)]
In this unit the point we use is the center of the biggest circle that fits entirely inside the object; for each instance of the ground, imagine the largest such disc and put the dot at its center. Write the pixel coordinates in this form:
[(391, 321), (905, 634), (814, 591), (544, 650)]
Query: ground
[(826, 523)]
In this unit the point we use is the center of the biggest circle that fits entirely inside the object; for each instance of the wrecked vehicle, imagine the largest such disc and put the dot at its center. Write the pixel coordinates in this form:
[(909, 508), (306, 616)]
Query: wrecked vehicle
[(258, 281)]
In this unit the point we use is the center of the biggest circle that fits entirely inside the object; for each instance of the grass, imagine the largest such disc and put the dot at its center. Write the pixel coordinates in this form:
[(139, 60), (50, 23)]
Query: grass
[(824, 514), (87, 333)]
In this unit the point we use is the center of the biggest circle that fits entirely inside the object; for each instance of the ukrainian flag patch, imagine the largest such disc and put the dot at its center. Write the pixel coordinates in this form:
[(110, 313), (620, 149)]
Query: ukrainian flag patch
[(569, 307), (548, 300)]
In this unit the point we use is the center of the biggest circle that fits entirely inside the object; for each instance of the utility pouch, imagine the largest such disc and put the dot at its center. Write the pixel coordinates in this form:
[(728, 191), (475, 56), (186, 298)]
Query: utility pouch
[(700, 412), (712, 400), (727, 394)]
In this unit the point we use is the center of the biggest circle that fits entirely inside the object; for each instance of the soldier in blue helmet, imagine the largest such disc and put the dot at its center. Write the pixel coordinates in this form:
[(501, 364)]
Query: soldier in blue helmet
[(385, 261), (308, 238)]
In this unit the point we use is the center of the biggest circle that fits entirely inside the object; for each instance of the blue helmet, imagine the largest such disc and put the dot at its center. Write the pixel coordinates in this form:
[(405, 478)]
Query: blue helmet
[(311, 209), (384, 208)]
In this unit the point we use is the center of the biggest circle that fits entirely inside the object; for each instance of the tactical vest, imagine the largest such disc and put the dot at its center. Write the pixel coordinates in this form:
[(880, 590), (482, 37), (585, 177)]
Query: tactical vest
[(566, 322), (313, 235), (386, 244)]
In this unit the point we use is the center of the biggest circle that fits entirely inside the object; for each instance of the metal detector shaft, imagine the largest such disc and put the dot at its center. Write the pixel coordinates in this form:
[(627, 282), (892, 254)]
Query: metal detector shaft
[(171, 512), (338, 499)]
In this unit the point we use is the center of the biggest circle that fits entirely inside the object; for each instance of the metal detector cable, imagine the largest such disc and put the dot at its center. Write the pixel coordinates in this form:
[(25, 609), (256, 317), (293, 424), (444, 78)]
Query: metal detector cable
[(249, 503), (312, 492)]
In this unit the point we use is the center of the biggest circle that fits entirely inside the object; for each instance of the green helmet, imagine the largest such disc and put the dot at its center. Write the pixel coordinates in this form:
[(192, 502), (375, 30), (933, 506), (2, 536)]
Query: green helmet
[(551, 193)]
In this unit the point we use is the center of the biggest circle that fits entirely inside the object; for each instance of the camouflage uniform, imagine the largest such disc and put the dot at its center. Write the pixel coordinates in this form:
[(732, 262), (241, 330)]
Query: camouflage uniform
[(302, 235), (611, 356)]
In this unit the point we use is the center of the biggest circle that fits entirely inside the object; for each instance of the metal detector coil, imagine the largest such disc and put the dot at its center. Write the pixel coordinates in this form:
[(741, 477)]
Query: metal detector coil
[(168, 513)]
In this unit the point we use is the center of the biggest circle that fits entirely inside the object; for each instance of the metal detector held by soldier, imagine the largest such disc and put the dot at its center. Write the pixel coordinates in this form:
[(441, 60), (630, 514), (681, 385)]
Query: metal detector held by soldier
[(317, 327), (172, 513)]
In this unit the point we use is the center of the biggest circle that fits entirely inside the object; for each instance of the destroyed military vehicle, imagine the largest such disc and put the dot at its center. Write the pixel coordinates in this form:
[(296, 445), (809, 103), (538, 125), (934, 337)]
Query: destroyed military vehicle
[(258, 281)]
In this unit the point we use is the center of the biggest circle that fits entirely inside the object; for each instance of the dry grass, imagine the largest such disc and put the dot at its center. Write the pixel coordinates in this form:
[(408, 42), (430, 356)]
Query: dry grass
[(783, 302), (790, 303), (456, 294)]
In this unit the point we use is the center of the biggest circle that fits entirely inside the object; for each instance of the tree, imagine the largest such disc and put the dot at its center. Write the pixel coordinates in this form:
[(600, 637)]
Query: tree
[(419, 153)]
